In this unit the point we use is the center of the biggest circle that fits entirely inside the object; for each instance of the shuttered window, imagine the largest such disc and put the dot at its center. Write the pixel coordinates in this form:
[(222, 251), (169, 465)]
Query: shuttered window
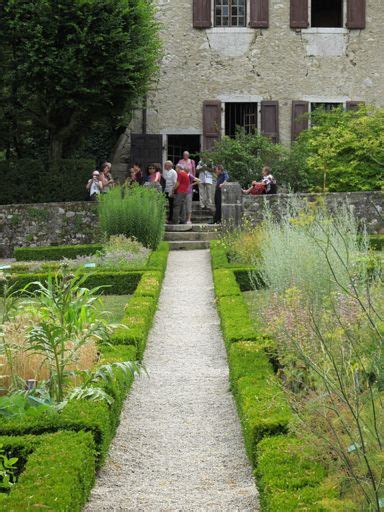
[(259, 14), (270, 120), (356, 14), (202, 13), (328, 13), (211, 123), (300, 119)]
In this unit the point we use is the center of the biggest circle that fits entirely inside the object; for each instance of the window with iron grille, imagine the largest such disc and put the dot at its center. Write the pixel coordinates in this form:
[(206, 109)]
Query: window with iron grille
[(240, 116), (230, 13)]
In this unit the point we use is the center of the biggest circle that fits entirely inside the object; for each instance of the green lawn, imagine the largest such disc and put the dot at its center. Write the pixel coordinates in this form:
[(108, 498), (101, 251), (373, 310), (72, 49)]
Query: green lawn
[(114, 305)]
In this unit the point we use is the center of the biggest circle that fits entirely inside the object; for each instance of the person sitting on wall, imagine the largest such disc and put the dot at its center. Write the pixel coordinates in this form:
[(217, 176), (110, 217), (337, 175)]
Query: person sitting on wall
[(269, 181), (256, 189), (94, 186), (222, 178)]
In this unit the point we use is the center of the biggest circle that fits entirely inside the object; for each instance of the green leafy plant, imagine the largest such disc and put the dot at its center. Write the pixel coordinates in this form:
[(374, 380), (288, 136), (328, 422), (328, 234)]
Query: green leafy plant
[(68, 319), (245, 155), (136, 213), (7, 470)]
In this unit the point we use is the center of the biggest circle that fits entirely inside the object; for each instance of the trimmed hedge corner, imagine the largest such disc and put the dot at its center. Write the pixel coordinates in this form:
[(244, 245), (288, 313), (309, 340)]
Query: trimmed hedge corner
[(58, 474), (290, 478), (53, 252)]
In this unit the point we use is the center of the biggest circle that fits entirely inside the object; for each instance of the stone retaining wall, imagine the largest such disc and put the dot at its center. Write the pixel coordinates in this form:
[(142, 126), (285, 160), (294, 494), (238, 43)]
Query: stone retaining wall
[(28, 225), (368, 206)]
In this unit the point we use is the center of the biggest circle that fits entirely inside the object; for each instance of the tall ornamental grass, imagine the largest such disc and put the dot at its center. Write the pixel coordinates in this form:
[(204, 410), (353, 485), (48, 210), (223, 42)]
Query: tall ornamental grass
[(134, 212), (306, 248)]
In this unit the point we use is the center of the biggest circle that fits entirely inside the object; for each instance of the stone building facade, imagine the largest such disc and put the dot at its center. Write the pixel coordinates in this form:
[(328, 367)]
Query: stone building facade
[(256, 63)]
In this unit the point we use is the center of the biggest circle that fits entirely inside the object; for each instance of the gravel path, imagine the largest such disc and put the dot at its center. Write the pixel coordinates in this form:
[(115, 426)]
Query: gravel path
[(179, 444)]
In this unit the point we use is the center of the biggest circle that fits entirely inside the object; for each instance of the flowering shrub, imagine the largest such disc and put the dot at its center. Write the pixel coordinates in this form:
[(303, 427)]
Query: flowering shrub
[(120, 253)]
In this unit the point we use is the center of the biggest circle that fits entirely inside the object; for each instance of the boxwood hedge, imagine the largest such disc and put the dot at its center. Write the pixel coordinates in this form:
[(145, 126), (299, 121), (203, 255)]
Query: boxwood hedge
[(58, 475), (289, 477), (55, 252)]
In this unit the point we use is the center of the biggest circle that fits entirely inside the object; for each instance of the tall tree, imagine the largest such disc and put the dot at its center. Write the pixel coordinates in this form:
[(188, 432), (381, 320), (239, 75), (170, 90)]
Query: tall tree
[(65, 64)]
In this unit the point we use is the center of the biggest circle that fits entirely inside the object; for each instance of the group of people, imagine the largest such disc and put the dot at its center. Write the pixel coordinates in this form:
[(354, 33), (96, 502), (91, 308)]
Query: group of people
[(178, 183)]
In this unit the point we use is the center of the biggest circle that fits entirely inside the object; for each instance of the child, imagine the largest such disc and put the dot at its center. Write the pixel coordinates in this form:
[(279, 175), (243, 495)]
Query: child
[(269, 181)]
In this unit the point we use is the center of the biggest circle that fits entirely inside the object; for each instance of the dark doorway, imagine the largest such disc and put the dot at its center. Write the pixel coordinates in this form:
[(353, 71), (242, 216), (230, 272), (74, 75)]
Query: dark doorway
[(177, 144), (327, 13), (240, 115)]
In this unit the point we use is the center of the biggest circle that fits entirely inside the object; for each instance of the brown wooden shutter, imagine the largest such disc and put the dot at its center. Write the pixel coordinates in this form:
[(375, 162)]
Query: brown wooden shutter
[(300, 119), (202, 13), (211, 123), (259, 14), (270, 119), (354, 105), (356, 14), (299, 14)]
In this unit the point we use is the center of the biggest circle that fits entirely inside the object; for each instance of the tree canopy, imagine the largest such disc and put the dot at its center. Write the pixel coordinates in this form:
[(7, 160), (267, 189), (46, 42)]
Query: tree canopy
[(342, 151), (66, 64)]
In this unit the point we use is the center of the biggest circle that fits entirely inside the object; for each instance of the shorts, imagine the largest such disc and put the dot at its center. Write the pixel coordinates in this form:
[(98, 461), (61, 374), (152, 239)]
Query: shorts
[(189, 204)]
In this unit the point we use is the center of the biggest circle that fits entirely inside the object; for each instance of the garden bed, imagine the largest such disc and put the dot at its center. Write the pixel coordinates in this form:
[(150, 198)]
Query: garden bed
[(289, 476), (82, 431)]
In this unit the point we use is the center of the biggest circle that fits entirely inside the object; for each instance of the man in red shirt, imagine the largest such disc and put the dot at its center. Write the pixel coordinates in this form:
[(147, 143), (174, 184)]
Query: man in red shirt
[(181, 191)]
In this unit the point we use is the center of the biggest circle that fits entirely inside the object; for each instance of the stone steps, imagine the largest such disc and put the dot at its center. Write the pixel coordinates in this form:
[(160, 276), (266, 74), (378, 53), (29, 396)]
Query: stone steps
[(191, 227), (190, 236), (188, 245)]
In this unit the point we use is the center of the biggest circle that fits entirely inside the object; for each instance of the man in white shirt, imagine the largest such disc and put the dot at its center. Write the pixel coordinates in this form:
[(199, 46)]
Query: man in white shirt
[(170, 177), (205, 176)]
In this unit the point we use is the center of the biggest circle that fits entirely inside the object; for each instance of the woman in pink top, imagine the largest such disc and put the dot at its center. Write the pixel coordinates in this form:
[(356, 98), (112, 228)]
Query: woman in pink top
[(153, 175), (188, 164)]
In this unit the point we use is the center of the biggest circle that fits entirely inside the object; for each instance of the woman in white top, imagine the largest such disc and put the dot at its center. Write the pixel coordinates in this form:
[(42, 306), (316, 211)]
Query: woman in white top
[(170, 177)]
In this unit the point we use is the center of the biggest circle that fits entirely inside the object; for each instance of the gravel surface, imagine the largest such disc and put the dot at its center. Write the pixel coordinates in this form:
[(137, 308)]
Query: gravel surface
[(179, 445)]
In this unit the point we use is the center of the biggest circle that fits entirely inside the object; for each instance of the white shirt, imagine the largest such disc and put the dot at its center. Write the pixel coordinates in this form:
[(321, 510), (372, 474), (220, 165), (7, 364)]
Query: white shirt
[(205, 176), (170, 180)]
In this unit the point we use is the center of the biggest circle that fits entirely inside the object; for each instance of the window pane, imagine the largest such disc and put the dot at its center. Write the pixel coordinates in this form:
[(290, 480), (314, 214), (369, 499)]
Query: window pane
[(230, 12)]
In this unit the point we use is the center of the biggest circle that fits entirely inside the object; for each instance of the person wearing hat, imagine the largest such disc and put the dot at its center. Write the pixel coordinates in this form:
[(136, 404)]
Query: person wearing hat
[(94, 186)]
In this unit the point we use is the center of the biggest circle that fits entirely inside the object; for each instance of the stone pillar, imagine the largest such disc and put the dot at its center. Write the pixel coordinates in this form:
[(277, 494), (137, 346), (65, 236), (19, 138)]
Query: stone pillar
[(232, 204)]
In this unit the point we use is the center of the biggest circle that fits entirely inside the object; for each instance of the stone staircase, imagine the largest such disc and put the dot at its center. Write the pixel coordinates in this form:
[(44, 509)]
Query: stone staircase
[(192, 236)]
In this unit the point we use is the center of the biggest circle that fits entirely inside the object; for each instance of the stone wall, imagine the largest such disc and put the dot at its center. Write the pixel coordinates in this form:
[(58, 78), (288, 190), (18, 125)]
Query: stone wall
[(28, 225), (368, 206)]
